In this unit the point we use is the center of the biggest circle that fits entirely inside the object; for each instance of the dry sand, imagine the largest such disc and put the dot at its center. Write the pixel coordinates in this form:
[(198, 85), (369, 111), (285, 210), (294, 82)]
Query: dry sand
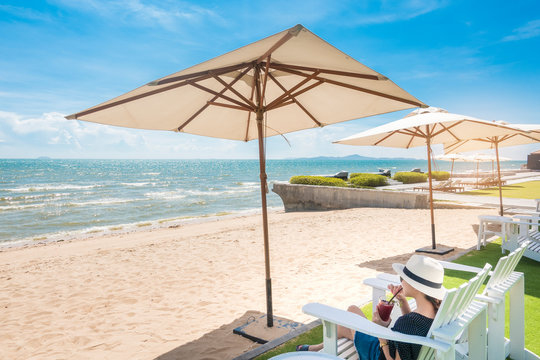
[(176, 292)]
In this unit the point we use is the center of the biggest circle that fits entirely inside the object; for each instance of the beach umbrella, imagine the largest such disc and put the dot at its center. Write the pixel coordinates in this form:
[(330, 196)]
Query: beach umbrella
[(289, 81), (425, 127), (522, 134), (452, 158)]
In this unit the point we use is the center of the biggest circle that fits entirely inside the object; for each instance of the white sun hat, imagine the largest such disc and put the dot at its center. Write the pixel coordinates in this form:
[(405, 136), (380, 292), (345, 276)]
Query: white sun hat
[(424, 274)]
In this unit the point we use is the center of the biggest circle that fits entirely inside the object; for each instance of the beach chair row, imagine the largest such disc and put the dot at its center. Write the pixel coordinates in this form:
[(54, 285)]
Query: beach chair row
[(459, 329)]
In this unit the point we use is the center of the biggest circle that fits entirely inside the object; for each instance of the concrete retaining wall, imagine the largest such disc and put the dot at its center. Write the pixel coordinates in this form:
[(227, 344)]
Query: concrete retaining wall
[(310, 197)]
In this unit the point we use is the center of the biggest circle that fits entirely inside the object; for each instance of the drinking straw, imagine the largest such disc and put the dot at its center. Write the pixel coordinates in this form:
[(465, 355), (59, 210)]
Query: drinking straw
[(392, 298)]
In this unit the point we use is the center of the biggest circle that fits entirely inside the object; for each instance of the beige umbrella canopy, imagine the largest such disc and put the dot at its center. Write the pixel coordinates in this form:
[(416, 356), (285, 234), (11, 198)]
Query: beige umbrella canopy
[(289, 81), (426, 127), (522, 134)]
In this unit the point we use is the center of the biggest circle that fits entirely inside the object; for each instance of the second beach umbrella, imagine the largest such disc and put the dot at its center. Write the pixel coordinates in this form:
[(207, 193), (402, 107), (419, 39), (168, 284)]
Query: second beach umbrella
[(425, 127), (289, 81), (522, 134)]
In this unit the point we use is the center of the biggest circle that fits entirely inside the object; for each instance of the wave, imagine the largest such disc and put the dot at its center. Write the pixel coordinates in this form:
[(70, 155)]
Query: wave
[(171, 195), (138, 184), (51, 187), (21, 207), (101, 202)]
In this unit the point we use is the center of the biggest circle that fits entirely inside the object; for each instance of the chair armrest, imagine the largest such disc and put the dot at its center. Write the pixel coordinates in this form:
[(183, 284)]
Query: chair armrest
[(361, 324), (459, 267), (489, 299)]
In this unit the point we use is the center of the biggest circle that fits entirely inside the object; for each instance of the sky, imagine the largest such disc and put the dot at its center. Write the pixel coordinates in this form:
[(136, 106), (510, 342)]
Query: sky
[(479, 58)]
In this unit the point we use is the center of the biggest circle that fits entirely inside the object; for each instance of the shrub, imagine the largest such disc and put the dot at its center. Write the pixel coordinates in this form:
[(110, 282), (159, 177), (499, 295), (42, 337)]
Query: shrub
[(410, 177), (371, 180), (440, 175), (318, 180)]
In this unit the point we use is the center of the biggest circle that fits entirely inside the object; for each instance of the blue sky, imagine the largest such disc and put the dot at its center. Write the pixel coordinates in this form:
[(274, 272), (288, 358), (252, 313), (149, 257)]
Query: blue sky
[(480, 58)]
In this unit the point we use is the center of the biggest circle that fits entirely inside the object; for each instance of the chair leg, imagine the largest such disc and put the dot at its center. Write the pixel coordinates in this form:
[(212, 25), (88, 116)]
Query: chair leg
[(517, 320), (496, 346), (477, 337), (330, 338)]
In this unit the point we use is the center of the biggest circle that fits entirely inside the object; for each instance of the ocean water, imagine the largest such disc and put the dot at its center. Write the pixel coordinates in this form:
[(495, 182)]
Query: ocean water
[(50, 200)]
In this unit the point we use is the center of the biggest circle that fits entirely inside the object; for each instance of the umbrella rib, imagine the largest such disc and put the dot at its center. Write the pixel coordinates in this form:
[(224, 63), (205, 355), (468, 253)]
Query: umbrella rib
[(295, 101), (213, 99), (287, 93), (265, 80), (236, 92), (448, 129), (299, 92), (228, 106), (294, 31), (249, 114), (386, 137), (327, 71), (225, 97), (357, 88), (201, 76), (209, 73)]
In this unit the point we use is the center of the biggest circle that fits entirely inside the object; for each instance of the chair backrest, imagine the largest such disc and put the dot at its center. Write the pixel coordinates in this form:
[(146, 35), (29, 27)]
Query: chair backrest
[(505, 266), (455, 303)]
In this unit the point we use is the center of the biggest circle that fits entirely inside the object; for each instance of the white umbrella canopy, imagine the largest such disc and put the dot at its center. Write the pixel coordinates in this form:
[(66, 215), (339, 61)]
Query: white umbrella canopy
[(291, 75), (289, 81), (522, 134), (426, 127)]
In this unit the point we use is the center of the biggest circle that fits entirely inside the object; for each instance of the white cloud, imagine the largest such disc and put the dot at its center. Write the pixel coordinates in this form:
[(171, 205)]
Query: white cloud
[(527, 31), (166, 14), (380, 12)]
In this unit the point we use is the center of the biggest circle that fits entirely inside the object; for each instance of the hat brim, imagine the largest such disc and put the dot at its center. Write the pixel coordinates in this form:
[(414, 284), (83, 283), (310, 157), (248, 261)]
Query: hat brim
[(434, 293)]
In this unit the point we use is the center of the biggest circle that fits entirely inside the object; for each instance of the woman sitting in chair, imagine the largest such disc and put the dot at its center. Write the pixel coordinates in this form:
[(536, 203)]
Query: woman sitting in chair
[(421, 278)]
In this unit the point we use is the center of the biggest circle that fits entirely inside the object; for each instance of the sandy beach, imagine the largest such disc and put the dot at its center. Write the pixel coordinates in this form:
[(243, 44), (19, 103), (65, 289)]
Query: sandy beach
[(145, 294)]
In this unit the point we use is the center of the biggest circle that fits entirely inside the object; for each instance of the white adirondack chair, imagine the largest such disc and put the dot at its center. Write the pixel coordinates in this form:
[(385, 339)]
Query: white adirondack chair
[(459, 312), (503, 280)]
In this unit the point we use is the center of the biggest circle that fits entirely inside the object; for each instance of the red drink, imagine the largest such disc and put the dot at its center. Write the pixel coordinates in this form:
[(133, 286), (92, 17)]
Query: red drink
[(384, 309)]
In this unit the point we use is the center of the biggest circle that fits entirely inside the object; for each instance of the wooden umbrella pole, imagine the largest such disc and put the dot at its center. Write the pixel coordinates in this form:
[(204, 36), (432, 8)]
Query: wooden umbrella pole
[(262, 164), (499, 174), (428, 141)]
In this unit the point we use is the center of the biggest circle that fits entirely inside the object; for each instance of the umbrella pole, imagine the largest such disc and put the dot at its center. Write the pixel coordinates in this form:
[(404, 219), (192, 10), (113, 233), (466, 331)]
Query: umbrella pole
[(499, 174), (262, 164), (433, 246), (452, 170)]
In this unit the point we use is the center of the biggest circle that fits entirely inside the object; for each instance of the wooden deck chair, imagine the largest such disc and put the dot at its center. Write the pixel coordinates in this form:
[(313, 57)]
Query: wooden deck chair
[(458, 313)]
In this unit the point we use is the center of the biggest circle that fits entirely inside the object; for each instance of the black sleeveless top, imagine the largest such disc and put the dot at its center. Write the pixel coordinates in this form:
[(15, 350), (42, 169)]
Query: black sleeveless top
[(411, 324)]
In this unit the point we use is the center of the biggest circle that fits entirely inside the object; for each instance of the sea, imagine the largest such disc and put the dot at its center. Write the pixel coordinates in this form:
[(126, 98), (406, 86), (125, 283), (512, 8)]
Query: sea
[(43, 200)]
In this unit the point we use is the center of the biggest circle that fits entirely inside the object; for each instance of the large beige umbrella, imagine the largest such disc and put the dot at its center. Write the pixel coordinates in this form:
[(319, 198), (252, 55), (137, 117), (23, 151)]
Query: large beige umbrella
[(522, 134), (289, 81), (426, 127)]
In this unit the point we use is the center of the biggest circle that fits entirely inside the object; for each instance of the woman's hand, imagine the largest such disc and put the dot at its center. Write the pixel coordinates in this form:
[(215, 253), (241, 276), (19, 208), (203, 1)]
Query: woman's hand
[(394, 289), (377, 319)]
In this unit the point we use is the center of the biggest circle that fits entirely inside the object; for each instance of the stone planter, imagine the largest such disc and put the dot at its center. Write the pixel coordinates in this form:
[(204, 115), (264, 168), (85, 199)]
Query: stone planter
[(310, 197)]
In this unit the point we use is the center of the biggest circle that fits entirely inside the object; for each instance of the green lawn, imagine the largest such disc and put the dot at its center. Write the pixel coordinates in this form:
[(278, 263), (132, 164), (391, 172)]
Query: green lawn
[(525, 190), (491, 254)]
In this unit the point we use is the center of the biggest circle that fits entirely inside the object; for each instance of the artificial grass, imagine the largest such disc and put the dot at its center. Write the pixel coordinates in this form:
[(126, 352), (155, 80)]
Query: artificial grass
[(525, 190), (490, 254)]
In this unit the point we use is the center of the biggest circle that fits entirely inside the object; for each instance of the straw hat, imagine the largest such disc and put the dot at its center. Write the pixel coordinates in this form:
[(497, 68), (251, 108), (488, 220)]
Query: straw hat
[(424, 274)]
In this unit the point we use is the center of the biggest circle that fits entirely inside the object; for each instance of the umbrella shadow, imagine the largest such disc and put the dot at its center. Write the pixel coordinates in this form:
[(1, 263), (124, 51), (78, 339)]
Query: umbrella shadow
[(220, 343), (385, 264)]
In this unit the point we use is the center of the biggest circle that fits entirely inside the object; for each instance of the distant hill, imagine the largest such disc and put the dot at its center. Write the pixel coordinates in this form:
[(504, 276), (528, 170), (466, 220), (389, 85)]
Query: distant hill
[(352, 157)]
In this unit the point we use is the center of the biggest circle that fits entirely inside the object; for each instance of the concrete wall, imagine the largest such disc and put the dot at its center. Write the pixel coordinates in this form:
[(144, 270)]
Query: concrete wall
[(310, 197)]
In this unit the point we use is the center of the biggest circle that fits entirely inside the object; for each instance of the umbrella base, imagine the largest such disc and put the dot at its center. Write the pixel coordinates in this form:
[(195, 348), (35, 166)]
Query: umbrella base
[(256, 329), (439, 250)]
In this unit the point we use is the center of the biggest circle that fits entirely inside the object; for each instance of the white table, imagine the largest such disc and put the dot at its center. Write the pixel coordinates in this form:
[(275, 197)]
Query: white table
[(503, 221), (304, 355)]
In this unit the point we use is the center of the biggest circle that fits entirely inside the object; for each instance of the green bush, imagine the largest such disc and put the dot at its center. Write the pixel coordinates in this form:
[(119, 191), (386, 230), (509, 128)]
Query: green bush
[(440, 175), (371, 180), (318, 180), (410, 177)]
